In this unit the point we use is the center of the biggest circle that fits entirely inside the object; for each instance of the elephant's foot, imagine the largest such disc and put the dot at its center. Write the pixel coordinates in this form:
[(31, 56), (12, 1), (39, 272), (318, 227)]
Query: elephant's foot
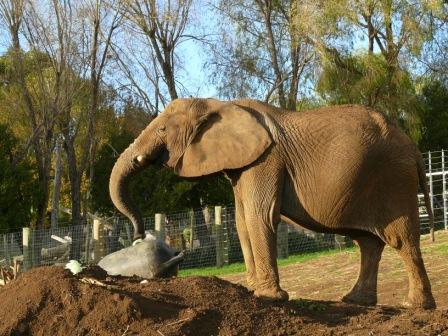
[(251, 283), (272, 294), (363, 298), (420, 301)]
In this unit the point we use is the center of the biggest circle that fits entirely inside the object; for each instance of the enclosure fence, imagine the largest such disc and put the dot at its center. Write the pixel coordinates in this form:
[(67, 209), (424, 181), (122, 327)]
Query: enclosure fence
[(208, 236)]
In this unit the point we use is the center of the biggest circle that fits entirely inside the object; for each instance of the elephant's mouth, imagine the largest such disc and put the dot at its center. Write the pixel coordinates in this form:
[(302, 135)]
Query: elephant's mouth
[(162, 158)]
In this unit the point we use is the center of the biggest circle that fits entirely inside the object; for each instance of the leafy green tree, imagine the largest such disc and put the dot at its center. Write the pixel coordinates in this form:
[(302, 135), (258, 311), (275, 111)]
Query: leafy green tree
[(18, 189), (398, 30), (364, 79), (434, 116)]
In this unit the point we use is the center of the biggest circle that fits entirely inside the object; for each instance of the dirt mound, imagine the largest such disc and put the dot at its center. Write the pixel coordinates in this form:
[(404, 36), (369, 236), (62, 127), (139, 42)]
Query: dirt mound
[(51, 301)]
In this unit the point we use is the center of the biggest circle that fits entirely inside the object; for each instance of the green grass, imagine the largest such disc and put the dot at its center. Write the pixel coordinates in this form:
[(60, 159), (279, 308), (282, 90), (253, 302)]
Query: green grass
[(240, 267), (441, 249)]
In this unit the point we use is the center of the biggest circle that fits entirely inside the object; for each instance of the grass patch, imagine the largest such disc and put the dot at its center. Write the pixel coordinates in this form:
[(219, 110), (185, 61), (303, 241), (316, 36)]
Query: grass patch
[(309, 305), (240, 267), (437, 249)]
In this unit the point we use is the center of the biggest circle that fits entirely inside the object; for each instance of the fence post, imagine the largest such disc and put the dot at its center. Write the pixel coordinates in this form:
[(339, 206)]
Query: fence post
[(226, 239), (431, 188), (6, 249), (445, 220), (26, 235), (98, 240), (221, 240), (192, 222), (87, 243), (159, 226), (127, 228), (340, 241), (36, 247), (282, 240)]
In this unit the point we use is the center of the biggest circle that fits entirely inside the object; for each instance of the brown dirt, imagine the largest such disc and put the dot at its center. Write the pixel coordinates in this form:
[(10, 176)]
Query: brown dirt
[(330, 277), (51, 301)]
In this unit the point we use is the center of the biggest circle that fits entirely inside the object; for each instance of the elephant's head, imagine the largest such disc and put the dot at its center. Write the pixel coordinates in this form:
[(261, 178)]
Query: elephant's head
[(195, 137)]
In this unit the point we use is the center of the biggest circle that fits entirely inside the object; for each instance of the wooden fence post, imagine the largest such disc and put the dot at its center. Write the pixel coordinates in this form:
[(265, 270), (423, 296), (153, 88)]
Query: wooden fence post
[(26, 235), (159, 226), (282, 240), (222, 246), (98, 240)]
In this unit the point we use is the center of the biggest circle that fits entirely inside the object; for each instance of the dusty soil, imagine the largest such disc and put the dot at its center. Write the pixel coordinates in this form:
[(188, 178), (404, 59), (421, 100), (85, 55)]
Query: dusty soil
[(330, 277), (51, 301)]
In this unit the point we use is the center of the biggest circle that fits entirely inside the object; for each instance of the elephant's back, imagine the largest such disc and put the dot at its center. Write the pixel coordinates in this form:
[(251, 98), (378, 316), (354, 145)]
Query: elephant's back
[(349, 116)]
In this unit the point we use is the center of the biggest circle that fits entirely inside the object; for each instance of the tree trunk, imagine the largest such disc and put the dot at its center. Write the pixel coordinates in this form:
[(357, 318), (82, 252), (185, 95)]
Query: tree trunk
[(279, 81), (57, 187), (75, 186)]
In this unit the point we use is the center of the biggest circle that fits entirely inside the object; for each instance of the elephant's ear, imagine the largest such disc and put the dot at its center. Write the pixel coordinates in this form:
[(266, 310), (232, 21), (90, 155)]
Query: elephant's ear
[(228, 138)]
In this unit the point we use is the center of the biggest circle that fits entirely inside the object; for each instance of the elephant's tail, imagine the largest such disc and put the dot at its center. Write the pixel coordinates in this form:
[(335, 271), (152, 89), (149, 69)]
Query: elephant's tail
[(424, 186)]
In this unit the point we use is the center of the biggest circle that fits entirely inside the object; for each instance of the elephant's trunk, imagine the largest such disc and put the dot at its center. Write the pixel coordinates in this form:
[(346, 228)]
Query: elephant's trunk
[(136, 157)]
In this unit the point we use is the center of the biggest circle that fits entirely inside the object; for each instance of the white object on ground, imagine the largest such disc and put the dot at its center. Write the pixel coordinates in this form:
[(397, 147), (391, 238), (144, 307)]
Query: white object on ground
[(59, 239), (144, 281), (74, 266)]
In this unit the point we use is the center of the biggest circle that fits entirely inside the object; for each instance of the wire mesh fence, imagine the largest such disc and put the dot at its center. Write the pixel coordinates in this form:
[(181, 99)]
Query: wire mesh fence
[(208, 235)]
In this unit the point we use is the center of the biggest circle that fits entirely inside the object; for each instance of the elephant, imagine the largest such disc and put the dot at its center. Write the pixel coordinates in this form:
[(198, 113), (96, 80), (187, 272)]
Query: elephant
[(149, 258), (344, 170)]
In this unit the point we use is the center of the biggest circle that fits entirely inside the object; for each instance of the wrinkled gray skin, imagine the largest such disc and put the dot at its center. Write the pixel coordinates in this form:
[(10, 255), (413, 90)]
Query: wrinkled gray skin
[(342, 169), (149, 259)]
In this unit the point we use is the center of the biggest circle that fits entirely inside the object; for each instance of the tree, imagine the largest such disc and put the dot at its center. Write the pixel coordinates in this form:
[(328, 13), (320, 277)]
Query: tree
[(147, 52), (18, 189), (363, 79), (75, 40), (394, 29), (435, 52), (266, 55), (434, 115), (39, 121)]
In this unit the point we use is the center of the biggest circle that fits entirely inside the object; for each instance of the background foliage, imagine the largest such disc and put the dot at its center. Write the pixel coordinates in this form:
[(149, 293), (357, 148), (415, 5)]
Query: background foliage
[(79, 80)]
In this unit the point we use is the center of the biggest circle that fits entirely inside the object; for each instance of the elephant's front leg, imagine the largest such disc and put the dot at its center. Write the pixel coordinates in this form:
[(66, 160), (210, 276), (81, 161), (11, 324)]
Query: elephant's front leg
[(263, 241), (243, 234), (259, 189)]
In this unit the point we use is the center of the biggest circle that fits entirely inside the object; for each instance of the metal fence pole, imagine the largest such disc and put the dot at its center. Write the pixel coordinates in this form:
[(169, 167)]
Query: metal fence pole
[(192, 228), (159, 226), (219, 237), (6, 249), (87, 243), (445, 222), (431, 189)]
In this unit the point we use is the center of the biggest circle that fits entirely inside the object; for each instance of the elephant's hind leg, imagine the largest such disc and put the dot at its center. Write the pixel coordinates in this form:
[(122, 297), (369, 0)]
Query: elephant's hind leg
[(405, 238), (365, 289), (419, 295)]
